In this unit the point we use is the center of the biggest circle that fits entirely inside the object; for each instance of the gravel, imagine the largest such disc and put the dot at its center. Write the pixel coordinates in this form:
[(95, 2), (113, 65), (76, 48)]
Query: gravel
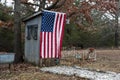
[(82, 72)]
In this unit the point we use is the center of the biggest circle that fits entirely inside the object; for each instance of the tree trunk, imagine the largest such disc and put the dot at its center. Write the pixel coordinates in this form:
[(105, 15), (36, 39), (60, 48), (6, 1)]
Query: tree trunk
[(116, 37), (117, 26), (17, 32), (116, 31)]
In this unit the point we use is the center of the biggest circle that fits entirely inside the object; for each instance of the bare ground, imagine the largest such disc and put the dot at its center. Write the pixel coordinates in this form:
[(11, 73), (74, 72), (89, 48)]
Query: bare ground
[(28, 72), (107, 60)]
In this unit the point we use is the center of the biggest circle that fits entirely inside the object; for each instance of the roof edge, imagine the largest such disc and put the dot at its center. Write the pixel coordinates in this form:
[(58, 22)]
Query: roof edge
[(32, 16)]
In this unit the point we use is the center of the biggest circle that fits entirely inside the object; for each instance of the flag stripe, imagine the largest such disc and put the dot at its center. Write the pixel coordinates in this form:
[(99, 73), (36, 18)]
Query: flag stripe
[(62, 34), (60, 16), (51, 45), (57, 22), (48, 44), (60, 29), (40, 45), (44, 44), (55, 33)]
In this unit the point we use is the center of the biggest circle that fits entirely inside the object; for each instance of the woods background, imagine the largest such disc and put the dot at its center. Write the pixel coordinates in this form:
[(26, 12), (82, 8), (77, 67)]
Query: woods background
[(93, 23)]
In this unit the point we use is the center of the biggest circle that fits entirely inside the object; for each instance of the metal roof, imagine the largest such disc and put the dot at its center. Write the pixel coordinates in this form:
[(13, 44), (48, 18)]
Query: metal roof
[(32, 16)]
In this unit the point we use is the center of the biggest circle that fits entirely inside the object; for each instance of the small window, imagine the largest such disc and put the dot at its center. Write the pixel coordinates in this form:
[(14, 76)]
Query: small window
[(35, 32), (32, 31), (28, 32)]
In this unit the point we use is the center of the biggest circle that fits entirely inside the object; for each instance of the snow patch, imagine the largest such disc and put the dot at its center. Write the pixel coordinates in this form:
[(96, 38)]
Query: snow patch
[(82, 72)]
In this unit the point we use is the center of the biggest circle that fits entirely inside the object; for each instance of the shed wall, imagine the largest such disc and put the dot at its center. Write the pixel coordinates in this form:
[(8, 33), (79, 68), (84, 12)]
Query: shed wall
[(32, 46)]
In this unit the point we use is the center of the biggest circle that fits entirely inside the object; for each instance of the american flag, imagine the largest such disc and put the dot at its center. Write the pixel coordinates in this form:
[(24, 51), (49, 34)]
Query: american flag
[(51, 35)]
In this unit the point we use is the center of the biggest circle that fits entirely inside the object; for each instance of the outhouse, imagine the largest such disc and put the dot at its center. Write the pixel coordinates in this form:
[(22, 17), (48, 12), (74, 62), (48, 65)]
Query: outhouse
[(49, 27), (32, 33)]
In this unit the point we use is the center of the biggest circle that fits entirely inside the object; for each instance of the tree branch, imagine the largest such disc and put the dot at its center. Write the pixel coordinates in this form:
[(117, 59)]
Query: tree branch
[(71, 14), (55, 5), (30, 3), (52, 6), (60, 4)]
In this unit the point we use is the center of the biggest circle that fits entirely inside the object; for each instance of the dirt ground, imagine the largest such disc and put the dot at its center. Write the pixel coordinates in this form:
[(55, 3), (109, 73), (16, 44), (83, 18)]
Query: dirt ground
[(107, 60), (25, 71)]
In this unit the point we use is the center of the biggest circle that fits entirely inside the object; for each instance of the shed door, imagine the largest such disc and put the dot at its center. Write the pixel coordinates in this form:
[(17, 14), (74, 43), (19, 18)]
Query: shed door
[(32, 43)]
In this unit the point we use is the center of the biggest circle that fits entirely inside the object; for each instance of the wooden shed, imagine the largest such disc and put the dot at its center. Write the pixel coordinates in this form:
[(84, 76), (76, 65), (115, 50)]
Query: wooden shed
[(32, 40), (49, 27)]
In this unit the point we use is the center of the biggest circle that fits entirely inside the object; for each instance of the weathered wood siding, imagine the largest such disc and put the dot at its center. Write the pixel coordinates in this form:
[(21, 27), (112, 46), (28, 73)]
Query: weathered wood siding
[(32, 46)]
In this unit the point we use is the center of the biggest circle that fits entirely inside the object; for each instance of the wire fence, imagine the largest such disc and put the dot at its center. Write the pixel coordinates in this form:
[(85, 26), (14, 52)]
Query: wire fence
[(70, 56)]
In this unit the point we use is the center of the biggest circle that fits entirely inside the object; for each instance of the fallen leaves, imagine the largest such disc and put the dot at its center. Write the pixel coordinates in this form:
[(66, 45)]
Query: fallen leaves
[(26, 71)]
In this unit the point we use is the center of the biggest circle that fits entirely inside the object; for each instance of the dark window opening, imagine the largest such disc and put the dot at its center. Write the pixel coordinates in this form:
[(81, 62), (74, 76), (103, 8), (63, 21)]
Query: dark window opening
[(32, 31)]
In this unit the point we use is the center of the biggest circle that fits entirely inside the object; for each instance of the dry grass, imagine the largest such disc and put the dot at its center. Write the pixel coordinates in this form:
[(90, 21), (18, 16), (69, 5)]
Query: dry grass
[(107, 60), (28, 72), (44, 76)]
